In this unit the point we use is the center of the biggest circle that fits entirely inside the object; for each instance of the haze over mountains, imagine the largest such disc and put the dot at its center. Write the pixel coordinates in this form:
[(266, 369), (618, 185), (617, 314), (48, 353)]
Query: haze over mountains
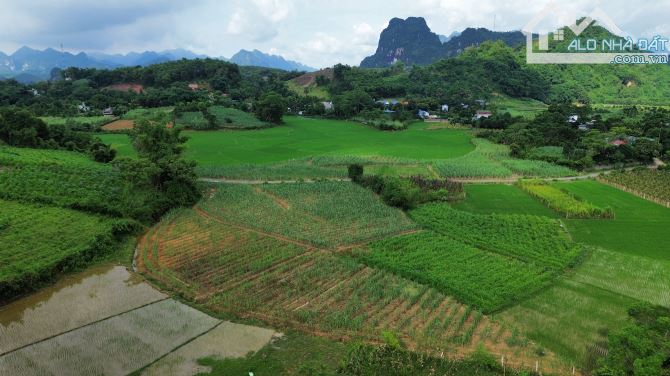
[(30, 65), (410, 41)]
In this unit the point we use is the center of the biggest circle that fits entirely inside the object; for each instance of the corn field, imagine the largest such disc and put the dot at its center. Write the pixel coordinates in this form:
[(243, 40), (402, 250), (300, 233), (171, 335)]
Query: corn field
[(565, 203)]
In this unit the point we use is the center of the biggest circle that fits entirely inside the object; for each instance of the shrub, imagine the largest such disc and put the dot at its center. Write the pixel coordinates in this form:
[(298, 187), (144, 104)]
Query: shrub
[(407, 194), (355, 172)]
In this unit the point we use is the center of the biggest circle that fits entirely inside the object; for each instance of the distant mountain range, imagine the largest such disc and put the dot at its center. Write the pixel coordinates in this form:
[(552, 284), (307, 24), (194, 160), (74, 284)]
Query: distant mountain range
[(412, 42), (144, 58), (259, 59), (29, 65)]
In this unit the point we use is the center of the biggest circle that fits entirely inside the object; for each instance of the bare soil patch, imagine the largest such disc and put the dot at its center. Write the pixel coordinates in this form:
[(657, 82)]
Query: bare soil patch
[(119, 125)]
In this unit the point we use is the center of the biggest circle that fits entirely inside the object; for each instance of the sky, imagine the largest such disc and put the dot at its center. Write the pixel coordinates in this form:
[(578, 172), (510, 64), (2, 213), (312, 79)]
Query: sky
[(318, 33)]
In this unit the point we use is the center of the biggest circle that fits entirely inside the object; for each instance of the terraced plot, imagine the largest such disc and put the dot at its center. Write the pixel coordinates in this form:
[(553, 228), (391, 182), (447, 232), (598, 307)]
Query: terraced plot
[(328, 214), (231, 267), (116, 346), (627, 266), (65, 179), (485, 280), (531, 239)]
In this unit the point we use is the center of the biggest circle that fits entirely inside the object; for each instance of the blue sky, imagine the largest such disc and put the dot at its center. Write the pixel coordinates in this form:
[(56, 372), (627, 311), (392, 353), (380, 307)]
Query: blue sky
[(318, 33)]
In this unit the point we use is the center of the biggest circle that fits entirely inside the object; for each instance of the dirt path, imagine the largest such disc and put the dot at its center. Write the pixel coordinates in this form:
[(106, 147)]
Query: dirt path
[(258, 182), (512, 180)]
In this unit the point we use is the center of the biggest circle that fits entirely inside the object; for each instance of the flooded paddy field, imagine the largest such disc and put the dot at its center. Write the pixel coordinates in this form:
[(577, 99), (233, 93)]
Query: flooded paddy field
[(227, 340), (108, 321), (73, 302)]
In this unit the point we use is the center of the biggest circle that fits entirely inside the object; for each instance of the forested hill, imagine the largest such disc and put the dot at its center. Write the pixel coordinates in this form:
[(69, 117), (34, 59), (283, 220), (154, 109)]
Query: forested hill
[(412, 42), (494, 67)]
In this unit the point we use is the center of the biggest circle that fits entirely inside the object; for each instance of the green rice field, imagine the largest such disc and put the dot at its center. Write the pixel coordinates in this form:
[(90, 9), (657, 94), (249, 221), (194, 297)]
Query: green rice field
[(628, 264), (303, 137)]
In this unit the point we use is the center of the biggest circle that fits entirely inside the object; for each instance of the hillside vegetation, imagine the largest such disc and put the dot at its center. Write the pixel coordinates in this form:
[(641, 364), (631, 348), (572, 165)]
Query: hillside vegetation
[(38, 242)]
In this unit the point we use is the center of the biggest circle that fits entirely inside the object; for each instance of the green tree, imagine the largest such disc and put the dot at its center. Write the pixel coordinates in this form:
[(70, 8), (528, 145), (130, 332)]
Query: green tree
[(270, 108), (641, 348), (161, 168)]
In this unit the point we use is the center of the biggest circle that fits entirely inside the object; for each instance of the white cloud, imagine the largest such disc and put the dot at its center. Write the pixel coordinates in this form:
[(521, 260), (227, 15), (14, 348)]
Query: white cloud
[(237, 23), (273, 10), (314, 32), (366, 35)]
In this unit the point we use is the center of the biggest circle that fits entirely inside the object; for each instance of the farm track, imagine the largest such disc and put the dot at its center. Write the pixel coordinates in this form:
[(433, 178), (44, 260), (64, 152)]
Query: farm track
[(510, 180), (260, 182)]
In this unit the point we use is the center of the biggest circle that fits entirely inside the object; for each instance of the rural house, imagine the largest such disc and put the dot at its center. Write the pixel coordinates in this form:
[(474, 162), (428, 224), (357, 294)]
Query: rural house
[(327, 105), (108, 111), (83, 107), (482, 114)]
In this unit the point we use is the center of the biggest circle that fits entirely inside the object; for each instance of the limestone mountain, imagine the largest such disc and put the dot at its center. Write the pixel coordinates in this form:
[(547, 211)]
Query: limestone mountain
[(412, 42)]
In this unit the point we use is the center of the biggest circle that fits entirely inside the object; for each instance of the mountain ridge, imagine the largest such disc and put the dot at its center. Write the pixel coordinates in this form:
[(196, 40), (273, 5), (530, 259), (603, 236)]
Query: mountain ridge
[(411, 41), (261, 59), (30, 65)]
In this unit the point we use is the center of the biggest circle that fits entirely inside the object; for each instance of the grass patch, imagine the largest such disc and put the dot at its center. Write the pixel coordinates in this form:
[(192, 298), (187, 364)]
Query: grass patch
[(503, 199), (570, 318), (192, 120), (633, 276), (526, 108), (236, 119), (639, 229), (39, 242), (293, 354), (121, 143), (312, 90), (88, 121), (150, 114)]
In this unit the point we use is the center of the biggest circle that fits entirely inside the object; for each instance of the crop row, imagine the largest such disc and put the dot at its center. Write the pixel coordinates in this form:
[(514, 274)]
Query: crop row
[(324, 214), (493, 160), (483, 279), (648, 182), (565, 203), (253, 275), (534, 239)]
